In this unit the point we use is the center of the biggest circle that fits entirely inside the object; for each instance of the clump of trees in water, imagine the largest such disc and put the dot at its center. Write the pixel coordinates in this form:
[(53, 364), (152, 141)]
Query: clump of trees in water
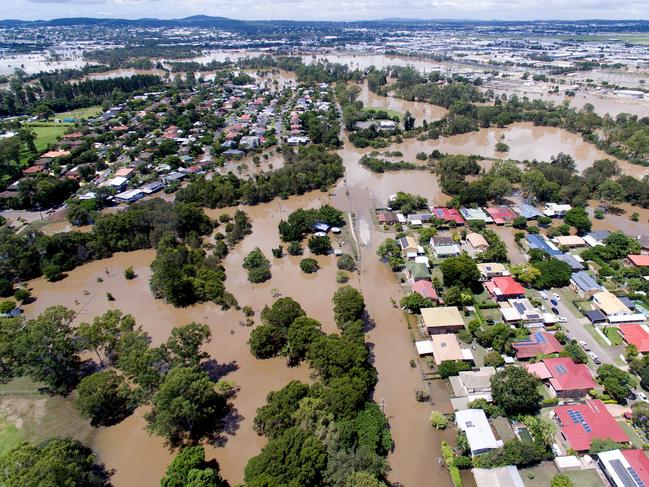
[(310, 169), (31, 254), (185, 405), (301, 222), (329, 432), (378, 165)]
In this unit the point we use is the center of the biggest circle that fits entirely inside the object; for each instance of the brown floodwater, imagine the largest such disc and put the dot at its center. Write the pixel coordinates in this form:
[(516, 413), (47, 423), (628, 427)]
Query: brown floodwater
[(82, 292), (525, 140)]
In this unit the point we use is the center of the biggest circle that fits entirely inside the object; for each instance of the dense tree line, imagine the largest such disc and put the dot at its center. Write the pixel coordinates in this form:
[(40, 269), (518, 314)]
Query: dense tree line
[(31, 254), (312, 168), (53, 95), (300, 222), (330, 432)]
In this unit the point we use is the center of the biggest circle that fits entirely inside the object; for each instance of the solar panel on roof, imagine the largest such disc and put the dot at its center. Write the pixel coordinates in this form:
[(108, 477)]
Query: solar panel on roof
[(561, 370), (624, 475), (520, 307), (635, 477)]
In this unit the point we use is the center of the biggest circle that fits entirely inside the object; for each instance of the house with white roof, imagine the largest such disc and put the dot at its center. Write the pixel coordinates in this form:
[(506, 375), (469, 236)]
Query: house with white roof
[(478, 431)]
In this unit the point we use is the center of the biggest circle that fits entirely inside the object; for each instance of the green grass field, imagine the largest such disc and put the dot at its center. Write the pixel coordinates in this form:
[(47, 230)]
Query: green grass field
[(10, 436), (614, 335), (45, 135), (80, 113)]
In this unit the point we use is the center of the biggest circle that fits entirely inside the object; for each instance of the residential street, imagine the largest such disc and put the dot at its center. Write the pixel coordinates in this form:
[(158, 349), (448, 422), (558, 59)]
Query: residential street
[(575, 329)]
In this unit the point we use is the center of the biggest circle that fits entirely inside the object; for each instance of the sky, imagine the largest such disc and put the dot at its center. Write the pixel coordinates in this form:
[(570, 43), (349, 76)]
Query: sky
[(330, 9)]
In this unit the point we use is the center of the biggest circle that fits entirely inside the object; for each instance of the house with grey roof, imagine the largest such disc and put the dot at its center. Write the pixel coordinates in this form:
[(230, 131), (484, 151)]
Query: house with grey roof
[(584, 284)]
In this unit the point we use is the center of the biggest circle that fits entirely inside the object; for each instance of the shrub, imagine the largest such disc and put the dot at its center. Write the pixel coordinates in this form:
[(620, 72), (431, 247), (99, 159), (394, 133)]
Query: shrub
[(438, 420), (346, 262), (319, 245), (342, 277), (129, 273), (295, 248), (309, 266), (23, 295)]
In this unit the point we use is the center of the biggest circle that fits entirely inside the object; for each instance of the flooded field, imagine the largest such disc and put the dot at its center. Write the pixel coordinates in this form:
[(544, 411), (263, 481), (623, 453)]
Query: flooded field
[(526, 142), (82, 292), (421, 111)]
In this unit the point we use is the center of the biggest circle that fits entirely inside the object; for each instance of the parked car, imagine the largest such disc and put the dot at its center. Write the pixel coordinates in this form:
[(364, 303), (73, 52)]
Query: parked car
[(556, 296), (543, 294), (555, 311), (562, 319), (594, 358), (584, 345), (642, 396), (554, 302)]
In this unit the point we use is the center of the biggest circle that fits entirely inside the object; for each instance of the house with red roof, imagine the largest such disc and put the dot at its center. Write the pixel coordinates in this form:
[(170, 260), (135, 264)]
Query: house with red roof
[(501, 214), (448, 215), (580, 424), (638, 260), (504, 288), (637, 335), (624, 468), (538, 343), (426, 289), (569, 379)]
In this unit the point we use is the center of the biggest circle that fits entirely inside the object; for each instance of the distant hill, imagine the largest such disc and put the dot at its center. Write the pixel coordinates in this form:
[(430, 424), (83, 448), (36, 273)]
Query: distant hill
[(206, 21)]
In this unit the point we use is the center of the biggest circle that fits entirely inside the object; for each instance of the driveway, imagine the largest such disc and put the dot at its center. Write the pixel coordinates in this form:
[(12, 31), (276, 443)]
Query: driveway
[(575, 329)]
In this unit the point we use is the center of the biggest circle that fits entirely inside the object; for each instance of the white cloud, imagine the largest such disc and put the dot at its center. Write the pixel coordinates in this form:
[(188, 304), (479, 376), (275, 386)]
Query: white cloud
[(333, 9)]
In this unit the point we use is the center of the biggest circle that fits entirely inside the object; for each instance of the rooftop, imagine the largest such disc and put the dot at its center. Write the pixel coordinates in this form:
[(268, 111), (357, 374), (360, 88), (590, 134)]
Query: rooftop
[(625, 468), (582, 423), (477, 428), (637, 335), (442, 316), (540, 342), (569, 376), (446, 347)]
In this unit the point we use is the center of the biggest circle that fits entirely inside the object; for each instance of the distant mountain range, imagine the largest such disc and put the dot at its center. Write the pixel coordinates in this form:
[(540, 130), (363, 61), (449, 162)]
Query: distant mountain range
[(207, 21)]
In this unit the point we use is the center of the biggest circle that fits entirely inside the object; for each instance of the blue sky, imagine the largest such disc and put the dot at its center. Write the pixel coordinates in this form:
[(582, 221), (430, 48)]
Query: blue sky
[(330, 9)]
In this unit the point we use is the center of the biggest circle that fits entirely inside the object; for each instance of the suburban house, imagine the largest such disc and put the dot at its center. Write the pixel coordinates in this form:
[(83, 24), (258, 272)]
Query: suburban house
[(387, 218), (614, 309), (508, 476), (541, 243), (478, 431), (504, 288), (444, 247), (501, 214), (538, 343), (637, 335), (130, 196), (624, 468), (555, 210), (638, 260), (572, 241), (477, 242), (489, 270), (528, 211), (425, 289), (584, 285), (522, 310), (575, 262), (446, 347), (596, 238), (643, 240), (475, 214), (409, 247), (470, 385), (566, 378), (443, 319), (581, 423), (448, 215), (416, 271)]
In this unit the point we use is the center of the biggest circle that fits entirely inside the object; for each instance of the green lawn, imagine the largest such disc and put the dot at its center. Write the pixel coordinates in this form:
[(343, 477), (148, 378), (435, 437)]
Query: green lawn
[(544, 472), (10, 436), (636, 441), (45, 135), (613, 334), (391, 113), (80, 113), (595, 335)]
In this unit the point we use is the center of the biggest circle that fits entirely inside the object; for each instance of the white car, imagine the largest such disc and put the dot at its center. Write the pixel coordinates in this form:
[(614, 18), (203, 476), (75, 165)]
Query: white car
[(556, 296), (643, 397), (562, 319), (594, 358), (543, 294), (584, 345)]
